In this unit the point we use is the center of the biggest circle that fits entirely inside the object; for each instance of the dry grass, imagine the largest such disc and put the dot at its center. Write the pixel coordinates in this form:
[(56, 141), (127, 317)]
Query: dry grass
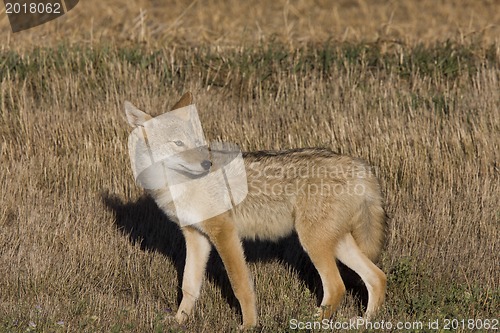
[(81, 250), (295, 23)]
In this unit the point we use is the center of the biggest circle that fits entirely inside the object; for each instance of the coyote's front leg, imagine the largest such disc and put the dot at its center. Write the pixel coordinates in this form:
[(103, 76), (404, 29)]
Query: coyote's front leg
[(197, 252), (223, 234)]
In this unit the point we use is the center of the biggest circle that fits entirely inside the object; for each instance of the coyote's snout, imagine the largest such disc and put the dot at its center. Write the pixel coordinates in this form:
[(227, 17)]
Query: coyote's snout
[(332, 202), (192, 163)]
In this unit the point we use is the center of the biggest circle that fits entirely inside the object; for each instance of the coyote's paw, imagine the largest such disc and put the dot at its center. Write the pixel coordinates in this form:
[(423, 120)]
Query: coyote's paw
[(247, 328), (181, 317), (323, 312)]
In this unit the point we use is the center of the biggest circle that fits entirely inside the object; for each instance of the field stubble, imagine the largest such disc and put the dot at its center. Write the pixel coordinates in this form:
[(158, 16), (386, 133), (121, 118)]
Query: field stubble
[(68, 189), (294, 23)]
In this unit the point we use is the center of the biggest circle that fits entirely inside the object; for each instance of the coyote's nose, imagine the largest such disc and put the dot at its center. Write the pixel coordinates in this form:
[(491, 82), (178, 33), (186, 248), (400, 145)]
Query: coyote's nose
[(206, 164)]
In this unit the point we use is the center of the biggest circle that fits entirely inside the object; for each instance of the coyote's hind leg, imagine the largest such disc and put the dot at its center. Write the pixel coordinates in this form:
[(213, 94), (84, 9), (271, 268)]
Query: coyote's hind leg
[(321, 249), (349, 253)]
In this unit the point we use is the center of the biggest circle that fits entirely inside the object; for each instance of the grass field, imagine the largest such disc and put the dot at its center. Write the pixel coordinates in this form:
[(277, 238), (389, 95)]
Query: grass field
[(412, 87)]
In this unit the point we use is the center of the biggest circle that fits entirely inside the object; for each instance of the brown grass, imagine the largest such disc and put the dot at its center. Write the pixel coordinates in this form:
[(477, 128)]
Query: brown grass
[(237, 23), (81, 250)]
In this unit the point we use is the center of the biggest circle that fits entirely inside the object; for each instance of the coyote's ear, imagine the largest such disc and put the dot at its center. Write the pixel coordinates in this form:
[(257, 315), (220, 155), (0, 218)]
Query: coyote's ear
[(135, 116), (186, 99)]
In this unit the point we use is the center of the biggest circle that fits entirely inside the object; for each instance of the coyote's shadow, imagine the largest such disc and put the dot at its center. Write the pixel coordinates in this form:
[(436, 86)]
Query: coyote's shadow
[(145, 224)]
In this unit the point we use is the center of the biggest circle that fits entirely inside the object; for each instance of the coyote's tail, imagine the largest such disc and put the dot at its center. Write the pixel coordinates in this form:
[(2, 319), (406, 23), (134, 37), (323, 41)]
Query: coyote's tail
[(371, 229)]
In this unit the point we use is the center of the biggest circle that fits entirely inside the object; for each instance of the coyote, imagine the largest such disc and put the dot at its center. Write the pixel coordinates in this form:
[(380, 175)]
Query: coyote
[(333, 203)]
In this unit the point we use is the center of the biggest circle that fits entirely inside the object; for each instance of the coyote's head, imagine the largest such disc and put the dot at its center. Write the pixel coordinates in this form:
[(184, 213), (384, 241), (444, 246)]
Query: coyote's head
[(174, 139), (170, 159)]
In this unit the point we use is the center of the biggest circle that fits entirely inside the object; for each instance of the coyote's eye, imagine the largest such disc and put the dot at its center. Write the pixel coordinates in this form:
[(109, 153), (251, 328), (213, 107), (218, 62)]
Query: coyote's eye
[(179, 143)]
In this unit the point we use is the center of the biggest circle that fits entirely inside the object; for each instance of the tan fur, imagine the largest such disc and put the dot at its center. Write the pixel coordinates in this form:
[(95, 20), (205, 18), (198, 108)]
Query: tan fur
[(333, 202), (186, 99)]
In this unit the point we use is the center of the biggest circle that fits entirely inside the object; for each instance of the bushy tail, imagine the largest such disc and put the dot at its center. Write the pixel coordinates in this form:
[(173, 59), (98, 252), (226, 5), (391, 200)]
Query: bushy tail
[(371, 229)]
